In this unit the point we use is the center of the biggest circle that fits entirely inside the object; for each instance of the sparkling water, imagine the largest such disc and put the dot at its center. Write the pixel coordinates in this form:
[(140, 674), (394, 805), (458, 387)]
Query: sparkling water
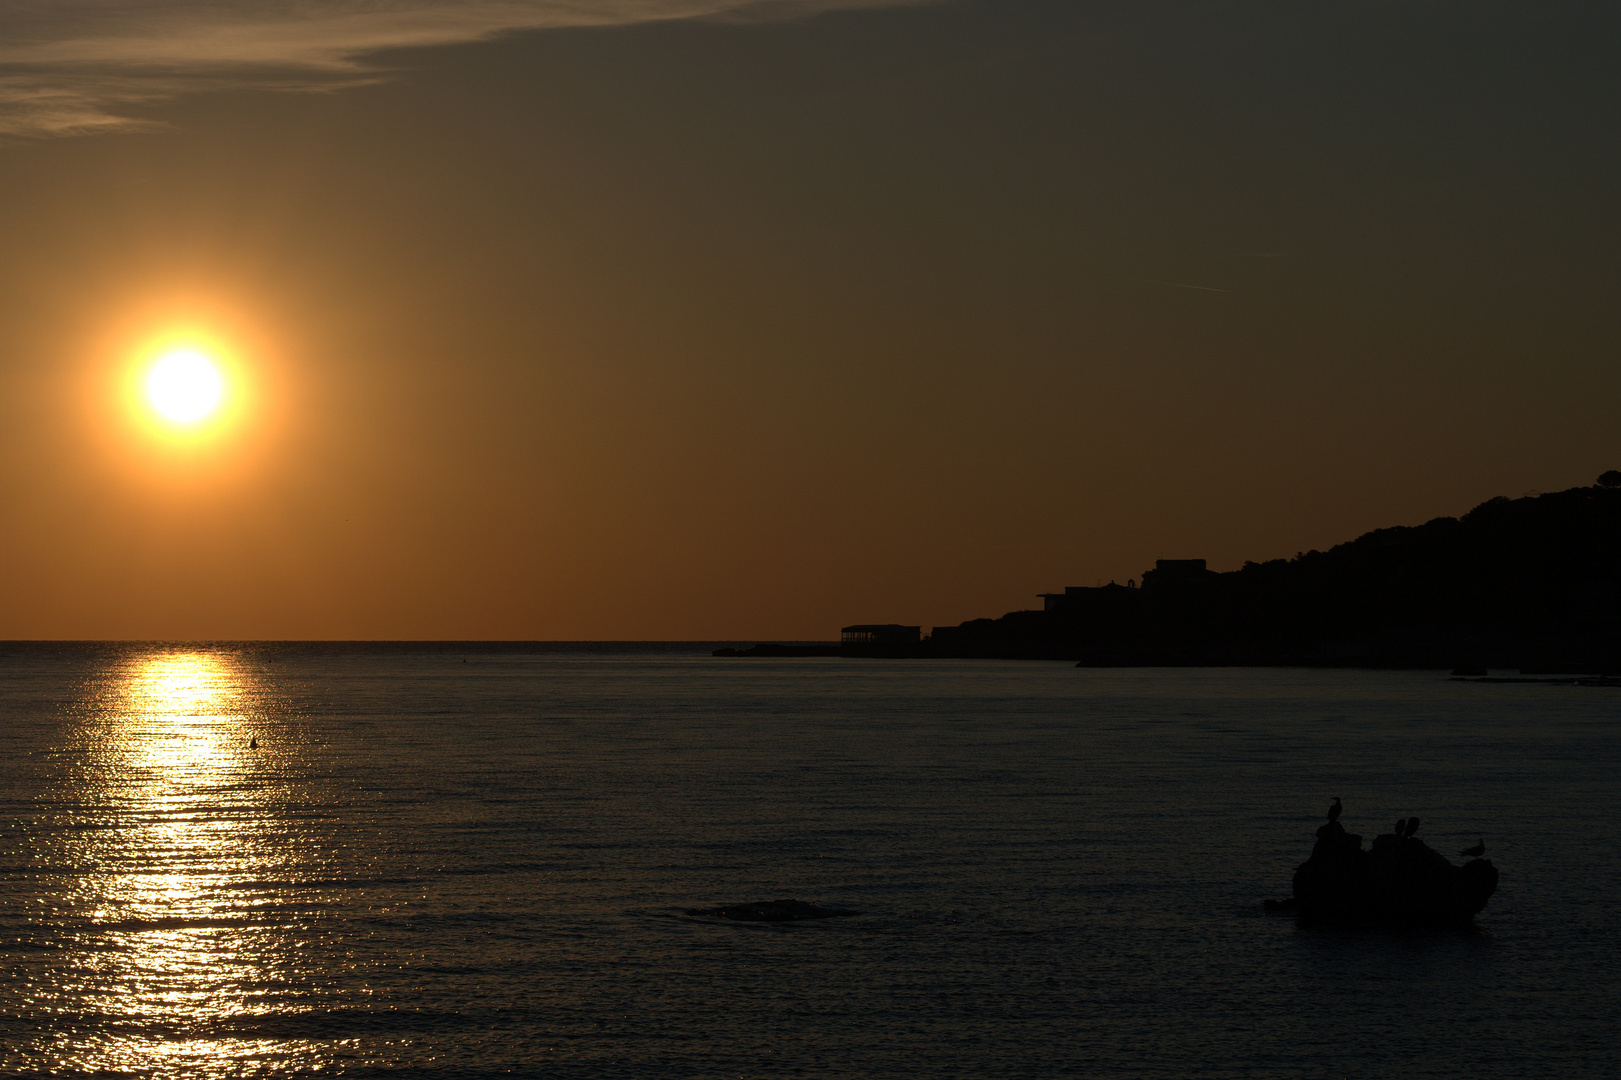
[(476, 860)]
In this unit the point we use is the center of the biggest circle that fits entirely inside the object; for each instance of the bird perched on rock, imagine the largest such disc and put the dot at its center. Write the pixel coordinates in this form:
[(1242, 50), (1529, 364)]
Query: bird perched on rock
[(1401, 827), (1334, 811), (1412, 826), (1475, 852)]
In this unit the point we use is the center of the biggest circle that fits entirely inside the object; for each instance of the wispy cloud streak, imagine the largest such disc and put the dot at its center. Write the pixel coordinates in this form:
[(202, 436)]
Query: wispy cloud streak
[(71, 67)]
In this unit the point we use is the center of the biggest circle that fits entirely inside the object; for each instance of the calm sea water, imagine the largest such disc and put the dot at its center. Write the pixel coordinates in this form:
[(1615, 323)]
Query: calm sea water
[(474, 861)]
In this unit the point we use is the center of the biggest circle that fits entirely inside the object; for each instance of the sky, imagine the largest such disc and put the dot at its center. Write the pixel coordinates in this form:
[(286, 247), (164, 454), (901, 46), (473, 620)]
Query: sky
[(720, 320)]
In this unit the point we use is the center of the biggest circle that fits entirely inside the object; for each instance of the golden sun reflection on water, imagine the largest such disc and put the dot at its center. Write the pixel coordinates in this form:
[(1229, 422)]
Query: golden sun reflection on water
[(180, 686), (173, 842), (179, 723)]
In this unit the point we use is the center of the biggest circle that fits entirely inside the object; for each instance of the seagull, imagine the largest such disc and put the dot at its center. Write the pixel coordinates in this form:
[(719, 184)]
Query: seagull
[(1412, 826), (1334, 811), (1475, 852), (1401, 826)]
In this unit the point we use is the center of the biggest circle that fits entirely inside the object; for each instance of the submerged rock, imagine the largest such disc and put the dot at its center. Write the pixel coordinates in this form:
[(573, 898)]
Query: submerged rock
[(773, 911), (1402, 880)]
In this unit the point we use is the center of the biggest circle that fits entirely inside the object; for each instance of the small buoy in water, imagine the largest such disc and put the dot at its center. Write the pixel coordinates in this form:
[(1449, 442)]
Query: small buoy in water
[(253, 744)]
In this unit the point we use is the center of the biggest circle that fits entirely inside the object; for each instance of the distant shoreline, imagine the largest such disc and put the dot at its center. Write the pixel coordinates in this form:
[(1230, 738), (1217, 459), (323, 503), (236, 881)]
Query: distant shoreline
[(1530, 585)]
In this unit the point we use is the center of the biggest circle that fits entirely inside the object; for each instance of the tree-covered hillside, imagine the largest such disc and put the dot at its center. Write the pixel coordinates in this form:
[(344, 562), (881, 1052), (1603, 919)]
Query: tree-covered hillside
[(1531, 583)]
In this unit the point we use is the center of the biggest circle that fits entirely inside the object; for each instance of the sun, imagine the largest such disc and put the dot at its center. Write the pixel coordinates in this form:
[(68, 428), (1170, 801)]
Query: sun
[(184, 387)]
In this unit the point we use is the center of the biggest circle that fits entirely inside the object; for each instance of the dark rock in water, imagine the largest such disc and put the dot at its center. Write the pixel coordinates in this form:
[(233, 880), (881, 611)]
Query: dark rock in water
[(773, 911), (1402, 880)]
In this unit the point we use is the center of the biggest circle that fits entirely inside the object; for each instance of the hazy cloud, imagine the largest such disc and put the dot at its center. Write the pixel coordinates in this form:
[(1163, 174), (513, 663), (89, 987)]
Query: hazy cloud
[(69, 67)]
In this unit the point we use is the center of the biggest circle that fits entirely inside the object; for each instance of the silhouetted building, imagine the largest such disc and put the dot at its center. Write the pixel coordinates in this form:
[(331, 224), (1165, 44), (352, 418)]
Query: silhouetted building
[(1175, 572), (1180, 567), (879, 635)]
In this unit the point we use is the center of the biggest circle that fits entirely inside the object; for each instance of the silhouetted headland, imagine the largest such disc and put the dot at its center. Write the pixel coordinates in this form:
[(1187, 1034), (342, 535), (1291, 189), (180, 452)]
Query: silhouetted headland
[(1532, 584), (1400, 881)]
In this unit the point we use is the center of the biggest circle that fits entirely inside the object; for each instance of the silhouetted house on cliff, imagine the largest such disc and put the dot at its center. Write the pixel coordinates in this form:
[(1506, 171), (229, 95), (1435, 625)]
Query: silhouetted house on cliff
[(1172, 572)]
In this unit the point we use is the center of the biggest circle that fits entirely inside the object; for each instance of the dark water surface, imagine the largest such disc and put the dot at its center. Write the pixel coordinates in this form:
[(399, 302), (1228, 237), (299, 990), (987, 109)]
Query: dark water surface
[(472, 861)]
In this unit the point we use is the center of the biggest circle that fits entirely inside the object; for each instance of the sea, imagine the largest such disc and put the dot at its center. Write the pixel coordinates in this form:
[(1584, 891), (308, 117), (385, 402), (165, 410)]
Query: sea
[(478, 860)]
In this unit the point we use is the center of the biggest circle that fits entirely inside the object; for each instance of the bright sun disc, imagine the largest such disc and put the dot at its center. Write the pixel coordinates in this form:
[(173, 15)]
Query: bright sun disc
[(184, 387)]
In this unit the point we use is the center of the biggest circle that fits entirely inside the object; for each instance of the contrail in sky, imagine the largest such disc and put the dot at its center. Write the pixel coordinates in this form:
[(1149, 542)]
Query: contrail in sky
[(70, 67)]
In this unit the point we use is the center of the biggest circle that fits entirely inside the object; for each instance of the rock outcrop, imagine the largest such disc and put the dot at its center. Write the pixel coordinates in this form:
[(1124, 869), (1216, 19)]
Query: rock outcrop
[(773, 911), (1401, 881)]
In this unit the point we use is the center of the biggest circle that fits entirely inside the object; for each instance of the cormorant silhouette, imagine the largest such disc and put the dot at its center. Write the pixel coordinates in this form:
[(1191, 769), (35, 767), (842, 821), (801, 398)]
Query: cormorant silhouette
[(1401, 826), (253, 744), (1475, 852), (1412, 826), (1334, 811)]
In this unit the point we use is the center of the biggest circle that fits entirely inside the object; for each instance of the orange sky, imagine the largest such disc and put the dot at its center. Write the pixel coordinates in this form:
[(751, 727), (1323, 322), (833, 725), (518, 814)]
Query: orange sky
[(751, 326)]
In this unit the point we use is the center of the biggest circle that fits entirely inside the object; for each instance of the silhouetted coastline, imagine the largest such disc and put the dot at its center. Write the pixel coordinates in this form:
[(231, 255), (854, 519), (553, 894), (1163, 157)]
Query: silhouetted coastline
[(1530, 584)]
